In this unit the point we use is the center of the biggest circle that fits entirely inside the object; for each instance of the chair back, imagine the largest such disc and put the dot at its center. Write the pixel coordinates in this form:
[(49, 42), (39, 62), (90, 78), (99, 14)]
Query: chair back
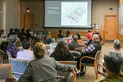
[(2, 53), (9, 54), (69, 76), (80, 42), (18, 66), (98, 56), (5, 71)]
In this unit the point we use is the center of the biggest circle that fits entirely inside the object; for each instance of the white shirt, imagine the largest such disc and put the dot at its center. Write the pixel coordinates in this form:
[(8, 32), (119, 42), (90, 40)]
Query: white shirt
[(25, 55)]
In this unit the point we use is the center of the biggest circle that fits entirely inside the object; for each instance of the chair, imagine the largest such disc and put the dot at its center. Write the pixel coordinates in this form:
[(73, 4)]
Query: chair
[(5, 71), (70, 77), (18, 66), (80, 42), (96, 62), (2, 53), (9, 54)]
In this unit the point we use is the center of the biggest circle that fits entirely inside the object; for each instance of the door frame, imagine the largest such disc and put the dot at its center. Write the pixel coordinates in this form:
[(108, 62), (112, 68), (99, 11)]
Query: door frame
[(110, 15), (23, 20)]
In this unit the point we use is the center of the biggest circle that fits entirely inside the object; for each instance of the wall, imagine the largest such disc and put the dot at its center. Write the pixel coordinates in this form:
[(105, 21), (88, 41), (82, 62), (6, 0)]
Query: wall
[(12, 14), (1, 16), (36, 8), (100, 8)]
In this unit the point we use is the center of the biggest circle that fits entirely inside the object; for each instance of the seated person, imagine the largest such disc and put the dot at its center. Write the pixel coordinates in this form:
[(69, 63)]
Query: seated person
[(25, 53), (48, 38), (79, 36), (74, 43), (112, 64), (117, 46), (90, 50), (62, 53), (60, 35), (97, 32), (68, 34), (11, 46), (89, 35), (43, 69)]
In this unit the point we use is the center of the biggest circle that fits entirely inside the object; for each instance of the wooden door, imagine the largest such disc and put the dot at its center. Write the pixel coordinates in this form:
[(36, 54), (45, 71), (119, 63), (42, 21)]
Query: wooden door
[(27, 21), (110, 27)]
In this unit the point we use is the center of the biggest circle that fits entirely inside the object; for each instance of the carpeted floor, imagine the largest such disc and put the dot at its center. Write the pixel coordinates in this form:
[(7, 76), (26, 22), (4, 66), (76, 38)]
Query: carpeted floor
[(90, 73)]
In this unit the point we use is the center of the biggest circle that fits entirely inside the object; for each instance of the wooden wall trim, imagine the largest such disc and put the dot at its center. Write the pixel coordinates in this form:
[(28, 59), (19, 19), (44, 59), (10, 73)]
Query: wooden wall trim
[(120, 37)]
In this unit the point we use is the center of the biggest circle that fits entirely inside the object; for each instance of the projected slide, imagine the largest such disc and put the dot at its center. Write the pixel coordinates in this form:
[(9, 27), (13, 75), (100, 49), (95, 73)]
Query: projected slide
[(76, 15)]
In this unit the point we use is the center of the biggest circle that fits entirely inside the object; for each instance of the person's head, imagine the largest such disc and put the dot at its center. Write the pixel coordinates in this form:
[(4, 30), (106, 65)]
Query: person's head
[(79, 36), (61, 46), (71, 47), (12, 38), (89, 30), (60, 31), (75, 37), (11, 30), (95, 38), (117, 44), (26, 45), (39, 50), (113, 62), (22, 30)]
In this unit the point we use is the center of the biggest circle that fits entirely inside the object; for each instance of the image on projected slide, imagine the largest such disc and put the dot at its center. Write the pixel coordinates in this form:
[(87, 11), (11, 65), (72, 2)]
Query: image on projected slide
[(74, 13)]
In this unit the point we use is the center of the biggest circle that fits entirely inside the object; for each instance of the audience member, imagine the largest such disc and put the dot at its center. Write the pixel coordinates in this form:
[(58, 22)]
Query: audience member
[(74, 43), (90, 50), (112, 64), (79, 36), (68, 34), (22, 35), (11, 46), (42, 69), (97, 32), (117, 46), (48, 39), (62, 53), (60, 35), (28, 35), (89, 35), (11, 32), (25, 53)]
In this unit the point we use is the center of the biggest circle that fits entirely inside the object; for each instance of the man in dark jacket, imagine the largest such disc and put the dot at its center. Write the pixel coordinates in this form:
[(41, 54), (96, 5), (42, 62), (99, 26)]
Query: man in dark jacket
[(90, 50)]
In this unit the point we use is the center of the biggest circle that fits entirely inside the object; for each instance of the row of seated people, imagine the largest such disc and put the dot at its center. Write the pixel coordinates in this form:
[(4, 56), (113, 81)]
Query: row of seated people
[(112, 63)]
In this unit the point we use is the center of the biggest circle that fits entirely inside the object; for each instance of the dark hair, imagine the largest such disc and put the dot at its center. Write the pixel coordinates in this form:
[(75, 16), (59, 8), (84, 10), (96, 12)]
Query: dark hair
[(26, 44), (67, 33), (113, 61), (75, 37), (61, 46), (89, 30), (11, 30), (39, 50), (117, 44)]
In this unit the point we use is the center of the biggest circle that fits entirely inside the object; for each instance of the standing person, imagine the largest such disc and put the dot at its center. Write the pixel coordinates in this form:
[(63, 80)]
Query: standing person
[(43, 69)]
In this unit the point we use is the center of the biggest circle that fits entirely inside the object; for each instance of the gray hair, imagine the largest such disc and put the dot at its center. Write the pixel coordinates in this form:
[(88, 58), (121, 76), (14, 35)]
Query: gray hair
[(12, 38), (113, 61), (75, 37), (116, 44)]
